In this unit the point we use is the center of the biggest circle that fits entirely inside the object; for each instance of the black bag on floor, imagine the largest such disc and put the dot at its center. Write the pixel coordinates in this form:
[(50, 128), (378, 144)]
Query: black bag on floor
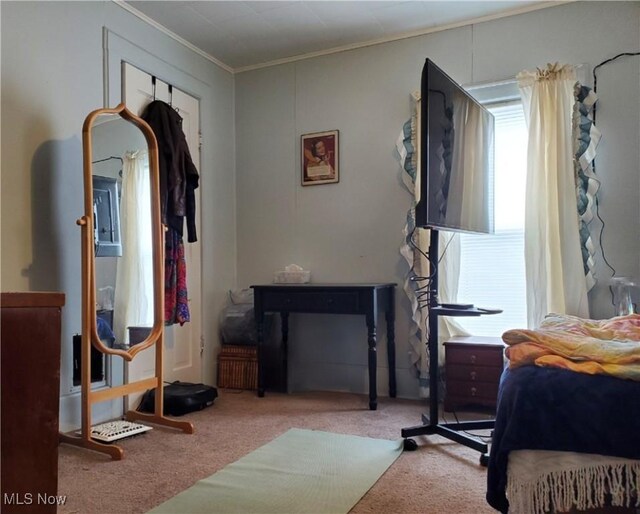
[(180, 398)]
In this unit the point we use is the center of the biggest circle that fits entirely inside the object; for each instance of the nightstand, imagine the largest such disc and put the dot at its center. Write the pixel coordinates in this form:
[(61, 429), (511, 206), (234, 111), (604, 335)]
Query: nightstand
[(473, 366)]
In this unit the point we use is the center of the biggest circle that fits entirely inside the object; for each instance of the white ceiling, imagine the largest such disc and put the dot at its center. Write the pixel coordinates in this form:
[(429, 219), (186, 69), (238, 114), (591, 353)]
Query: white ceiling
[(242, 34)]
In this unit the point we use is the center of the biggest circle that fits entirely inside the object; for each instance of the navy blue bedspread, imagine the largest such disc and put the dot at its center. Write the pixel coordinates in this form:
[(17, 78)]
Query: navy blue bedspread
[(556, 409)]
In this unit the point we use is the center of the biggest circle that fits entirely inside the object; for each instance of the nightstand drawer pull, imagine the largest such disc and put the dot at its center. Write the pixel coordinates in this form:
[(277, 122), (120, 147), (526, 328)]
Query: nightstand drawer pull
[(473, 391), (473, 375), (472, 358)]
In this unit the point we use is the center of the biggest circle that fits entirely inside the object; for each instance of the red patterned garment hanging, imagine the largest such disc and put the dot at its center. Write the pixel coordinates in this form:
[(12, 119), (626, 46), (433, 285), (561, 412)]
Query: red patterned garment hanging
[(176, 301)]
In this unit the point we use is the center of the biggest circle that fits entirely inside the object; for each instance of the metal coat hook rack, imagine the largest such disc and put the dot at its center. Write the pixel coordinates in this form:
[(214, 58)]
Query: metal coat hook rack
[(170, 87)]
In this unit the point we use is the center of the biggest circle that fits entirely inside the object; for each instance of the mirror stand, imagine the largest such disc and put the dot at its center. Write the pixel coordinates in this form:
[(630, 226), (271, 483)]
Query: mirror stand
[(90, 336)]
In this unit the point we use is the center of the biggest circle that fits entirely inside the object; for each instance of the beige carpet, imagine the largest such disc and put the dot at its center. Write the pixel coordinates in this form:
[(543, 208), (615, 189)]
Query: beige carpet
[(440, 477)]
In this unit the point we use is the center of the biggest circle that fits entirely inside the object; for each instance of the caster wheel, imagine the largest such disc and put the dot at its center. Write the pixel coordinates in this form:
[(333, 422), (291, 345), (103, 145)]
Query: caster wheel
[(484, 460), (410, 445)]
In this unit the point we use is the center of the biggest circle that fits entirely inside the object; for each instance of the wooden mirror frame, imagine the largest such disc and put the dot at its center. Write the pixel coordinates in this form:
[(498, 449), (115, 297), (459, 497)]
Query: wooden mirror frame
[(89, 317), (87, 222)]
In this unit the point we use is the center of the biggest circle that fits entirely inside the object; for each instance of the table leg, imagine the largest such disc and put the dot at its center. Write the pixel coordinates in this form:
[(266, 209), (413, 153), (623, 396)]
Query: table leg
[(284, 317), (391, 347), (260, 350), (371, 339)]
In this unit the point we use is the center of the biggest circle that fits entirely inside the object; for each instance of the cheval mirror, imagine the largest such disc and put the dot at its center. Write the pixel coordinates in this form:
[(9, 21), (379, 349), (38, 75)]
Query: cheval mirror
[(122, 263)]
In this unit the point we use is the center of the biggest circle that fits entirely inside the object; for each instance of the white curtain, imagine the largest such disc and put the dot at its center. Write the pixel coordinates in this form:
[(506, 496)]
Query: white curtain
[(134, 275), (448, 285), (554, 271)]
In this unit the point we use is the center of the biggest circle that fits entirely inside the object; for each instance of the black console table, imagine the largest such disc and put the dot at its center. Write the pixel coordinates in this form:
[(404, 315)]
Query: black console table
[(366, 299)]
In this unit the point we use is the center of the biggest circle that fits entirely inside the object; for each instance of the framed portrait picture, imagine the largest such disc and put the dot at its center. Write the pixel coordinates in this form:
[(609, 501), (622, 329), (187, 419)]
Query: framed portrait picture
[(320, 164)]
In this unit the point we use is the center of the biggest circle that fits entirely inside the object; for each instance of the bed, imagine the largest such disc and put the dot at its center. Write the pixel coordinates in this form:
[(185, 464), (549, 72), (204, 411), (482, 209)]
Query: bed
[(567, 430)]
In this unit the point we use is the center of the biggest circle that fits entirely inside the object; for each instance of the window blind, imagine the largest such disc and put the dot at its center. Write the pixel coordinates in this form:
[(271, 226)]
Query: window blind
[(492, 272)]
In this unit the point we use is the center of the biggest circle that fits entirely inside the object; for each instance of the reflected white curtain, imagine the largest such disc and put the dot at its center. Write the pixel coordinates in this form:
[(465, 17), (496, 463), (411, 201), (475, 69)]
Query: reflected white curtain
[(134, 275), (470, 135), (554, 272), (469, 203)]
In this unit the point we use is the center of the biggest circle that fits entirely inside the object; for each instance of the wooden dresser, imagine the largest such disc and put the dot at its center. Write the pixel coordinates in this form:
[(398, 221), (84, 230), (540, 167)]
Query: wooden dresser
[(30, 367), (473, 366)]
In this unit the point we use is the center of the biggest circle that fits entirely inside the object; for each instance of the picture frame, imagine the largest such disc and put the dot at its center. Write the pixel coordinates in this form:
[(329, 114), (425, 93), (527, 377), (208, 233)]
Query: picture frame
[(320, 158)]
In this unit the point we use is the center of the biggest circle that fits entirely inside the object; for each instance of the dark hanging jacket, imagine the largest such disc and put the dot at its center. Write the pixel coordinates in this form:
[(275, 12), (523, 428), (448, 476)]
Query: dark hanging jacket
[(178, 175)]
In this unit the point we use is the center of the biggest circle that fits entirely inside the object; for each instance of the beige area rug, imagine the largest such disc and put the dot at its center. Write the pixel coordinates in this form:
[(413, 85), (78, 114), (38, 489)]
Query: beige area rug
[(440, 477)]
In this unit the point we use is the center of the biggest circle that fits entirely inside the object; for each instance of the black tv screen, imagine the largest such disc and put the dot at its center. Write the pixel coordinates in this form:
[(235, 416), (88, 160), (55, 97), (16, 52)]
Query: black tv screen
[(455, 175)]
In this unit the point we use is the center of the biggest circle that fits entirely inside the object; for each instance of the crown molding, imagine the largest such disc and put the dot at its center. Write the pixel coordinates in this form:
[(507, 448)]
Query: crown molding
[(339, 49), (173, 35)]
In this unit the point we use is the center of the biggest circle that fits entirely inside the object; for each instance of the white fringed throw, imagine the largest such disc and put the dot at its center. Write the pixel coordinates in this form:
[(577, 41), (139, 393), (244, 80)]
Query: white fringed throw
[(547, 481)]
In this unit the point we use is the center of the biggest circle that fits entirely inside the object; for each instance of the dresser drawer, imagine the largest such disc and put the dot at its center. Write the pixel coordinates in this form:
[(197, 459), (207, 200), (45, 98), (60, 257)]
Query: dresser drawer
[(472, 390), (473, 373), (476, 355), (311, 302)]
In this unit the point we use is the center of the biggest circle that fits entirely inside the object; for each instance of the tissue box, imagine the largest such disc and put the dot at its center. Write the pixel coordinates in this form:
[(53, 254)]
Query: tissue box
[(291, 277)]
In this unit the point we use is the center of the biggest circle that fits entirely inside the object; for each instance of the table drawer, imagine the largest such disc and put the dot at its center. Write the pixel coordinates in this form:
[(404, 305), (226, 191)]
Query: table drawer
[(311, 302), (474, 355), (473, 373)]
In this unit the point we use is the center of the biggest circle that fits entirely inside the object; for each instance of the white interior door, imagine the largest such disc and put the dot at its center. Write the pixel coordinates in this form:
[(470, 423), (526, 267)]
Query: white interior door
[(182, 344)]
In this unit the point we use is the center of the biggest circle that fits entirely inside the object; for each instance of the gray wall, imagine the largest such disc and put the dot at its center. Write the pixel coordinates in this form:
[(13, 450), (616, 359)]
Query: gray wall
[(351, 231), (52, 77)]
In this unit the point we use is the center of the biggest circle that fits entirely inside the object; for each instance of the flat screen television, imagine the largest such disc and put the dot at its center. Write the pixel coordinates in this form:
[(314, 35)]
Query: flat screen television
[(455, 172)]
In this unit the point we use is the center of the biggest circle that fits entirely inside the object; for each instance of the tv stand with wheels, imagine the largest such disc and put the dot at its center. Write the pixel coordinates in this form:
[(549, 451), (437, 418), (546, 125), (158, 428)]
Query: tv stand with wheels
[(431, 423)]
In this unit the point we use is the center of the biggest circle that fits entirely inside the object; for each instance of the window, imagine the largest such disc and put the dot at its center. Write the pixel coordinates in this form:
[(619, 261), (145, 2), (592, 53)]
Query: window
[(492, 272)]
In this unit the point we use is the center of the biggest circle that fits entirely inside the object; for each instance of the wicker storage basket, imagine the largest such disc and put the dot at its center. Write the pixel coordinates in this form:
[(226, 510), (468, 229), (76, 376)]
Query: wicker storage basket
[(238, 367)]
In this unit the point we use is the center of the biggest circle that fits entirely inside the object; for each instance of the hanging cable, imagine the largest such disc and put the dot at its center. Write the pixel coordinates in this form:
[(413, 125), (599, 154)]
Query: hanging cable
[(595, 77), (423, 292), (593, 164)]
